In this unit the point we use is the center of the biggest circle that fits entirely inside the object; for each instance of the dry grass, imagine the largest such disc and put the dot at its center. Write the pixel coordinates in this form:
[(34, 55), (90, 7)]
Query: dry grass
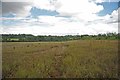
[(82, 58)]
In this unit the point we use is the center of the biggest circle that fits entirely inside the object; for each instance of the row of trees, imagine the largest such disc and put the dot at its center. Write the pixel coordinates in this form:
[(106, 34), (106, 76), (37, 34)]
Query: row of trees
[(32, 38)]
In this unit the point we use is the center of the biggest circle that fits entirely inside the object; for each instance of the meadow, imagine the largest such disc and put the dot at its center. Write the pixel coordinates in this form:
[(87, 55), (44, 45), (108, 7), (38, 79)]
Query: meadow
[(68, 59)]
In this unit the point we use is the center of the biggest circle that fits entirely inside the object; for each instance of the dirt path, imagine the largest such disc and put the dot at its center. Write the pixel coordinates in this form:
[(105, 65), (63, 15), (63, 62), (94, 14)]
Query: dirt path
[(57, 73)]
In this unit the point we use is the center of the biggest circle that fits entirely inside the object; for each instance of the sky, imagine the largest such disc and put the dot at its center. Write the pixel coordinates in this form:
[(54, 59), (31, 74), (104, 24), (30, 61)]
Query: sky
[(59, 17)]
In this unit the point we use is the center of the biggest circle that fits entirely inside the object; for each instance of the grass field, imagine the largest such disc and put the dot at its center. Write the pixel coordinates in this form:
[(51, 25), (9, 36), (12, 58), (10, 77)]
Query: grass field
[(82, 58)]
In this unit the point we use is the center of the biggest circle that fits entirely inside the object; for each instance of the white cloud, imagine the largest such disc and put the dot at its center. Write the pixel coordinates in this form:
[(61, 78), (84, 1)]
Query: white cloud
[(64, 7), (61, 26), (113, 18), (43, 4), (99, 1), (82, 20), (68, 7), (78, 7)]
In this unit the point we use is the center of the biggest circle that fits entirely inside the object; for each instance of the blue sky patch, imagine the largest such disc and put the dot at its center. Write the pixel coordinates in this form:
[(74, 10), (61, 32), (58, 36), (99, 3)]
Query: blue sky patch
[(10, 22), (42, 12), (9, 15), (109, 7)]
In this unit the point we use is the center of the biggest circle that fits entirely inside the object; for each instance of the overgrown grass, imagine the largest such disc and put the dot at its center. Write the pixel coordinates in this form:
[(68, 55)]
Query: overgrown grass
[(81, 58)]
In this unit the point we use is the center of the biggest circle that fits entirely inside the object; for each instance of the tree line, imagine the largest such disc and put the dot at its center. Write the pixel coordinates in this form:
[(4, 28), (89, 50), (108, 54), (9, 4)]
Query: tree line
[(32, 38)]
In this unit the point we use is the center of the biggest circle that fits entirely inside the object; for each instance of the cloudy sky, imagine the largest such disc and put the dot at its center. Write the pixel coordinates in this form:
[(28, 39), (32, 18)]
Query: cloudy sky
[(59, 17)]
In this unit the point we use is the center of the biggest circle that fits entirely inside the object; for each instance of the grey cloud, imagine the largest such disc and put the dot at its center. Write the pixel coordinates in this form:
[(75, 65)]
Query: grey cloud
[(16, 0), (14, 7), (0, 8), (115, 21), (95, 22)]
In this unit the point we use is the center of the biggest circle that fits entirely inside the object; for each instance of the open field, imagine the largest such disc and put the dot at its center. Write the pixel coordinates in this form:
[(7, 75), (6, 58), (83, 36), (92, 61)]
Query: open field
[(81, 58)]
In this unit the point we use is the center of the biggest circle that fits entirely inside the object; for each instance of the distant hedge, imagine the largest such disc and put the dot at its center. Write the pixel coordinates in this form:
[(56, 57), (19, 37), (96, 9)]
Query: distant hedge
[(32, 38)]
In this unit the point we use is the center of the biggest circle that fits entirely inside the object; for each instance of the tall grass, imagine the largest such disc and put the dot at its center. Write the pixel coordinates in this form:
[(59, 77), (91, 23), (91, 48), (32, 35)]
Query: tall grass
[(82, 58)]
